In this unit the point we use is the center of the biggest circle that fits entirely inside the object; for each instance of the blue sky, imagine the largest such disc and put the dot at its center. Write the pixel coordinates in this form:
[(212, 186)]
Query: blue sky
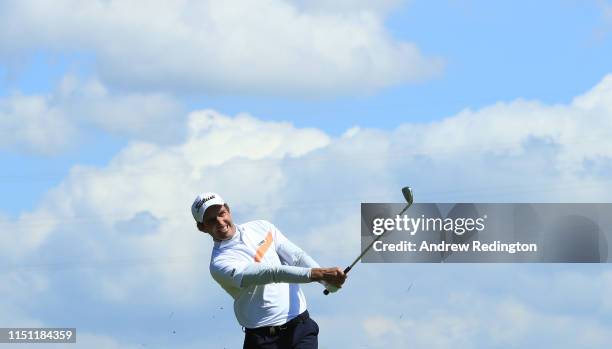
[(114, 116)]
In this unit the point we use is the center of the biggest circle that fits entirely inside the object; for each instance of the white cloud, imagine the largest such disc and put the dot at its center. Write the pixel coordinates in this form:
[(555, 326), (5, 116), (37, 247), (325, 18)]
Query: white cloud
[(554, 147), (477, 306), (33, 124), (254, 47), (310, 185), (343, 6), (482, 322), (24, 235), (148, 116), (379, 326), (50, 123)]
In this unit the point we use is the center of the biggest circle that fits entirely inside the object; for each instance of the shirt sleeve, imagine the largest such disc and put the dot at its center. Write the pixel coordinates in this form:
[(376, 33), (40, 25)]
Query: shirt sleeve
[(290, 253), (244, 274), (262, 274), (228, 273)]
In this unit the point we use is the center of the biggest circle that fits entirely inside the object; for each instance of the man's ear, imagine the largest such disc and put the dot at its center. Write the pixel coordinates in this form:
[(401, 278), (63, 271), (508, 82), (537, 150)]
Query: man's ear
[(200, 227)]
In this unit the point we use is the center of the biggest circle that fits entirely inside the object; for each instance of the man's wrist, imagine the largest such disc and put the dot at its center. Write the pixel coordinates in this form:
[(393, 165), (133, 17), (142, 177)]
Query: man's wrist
[(316, 274)]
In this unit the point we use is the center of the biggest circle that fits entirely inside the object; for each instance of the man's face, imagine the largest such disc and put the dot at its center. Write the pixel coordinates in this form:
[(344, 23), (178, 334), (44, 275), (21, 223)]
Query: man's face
[(218, 223)]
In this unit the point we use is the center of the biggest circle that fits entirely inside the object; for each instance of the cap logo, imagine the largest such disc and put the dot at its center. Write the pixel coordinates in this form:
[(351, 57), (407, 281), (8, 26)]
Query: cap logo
[(201, 202)]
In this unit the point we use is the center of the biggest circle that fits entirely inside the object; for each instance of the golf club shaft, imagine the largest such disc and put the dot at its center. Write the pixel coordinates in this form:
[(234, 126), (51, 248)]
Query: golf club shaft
[(326, 292), (371, 244)]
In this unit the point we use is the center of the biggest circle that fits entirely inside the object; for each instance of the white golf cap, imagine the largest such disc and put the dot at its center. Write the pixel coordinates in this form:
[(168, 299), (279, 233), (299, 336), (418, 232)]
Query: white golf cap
[(204, 201)]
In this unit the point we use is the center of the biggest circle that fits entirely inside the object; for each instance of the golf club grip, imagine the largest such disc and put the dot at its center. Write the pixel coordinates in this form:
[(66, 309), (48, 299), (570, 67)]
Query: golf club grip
[(325, 291)]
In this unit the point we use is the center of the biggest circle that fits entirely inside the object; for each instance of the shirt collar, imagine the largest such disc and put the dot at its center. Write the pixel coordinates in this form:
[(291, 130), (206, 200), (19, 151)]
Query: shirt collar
[(234, 239)]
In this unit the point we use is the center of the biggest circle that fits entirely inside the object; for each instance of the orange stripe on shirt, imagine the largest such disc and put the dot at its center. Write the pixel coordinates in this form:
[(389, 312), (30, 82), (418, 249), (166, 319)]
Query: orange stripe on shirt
[(261, 251)]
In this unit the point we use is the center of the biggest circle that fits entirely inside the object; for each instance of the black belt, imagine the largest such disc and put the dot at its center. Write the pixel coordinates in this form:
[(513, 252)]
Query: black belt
[(273, 330)]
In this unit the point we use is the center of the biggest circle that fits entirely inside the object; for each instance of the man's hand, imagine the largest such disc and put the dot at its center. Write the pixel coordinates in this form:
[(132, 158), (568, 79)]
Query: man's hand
[(331, 276)]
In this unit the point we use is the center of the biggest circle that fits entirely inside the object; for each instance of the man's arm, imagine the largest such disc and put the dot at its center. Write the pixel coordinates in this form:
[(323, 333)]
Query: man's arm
[(297, 267), (261, 274), (240, 274), (291, 254)]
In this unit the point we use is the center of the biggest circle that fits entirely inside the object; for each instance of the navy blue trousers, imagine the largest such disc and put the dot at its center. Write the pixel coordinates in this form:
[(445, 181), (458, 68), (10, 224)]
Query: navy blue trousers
[(300, 333)]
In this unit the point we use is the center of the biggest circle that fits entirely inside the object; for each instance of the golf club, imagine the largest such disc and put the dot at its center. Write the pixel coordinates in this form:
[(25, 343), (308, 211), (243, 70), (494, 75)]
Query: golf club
[(407, 192)]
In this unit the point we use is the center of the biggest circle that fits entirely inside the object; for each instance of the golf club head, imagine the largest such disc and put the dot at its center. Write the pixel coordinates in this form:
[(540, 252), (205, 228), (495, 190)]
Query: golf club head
[(407, 192)]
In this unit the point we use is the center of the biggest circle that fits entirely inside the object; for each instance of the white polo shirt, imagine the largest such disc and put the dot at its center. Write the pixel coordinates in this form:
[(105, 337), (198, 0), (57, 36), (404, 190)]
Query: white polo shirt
[(258, 305)]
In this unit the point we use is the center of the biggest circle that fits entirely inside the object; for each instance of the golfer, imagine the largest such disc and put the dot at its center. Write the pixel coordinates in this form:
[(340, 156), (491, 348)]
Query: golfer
[(261, 269)]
